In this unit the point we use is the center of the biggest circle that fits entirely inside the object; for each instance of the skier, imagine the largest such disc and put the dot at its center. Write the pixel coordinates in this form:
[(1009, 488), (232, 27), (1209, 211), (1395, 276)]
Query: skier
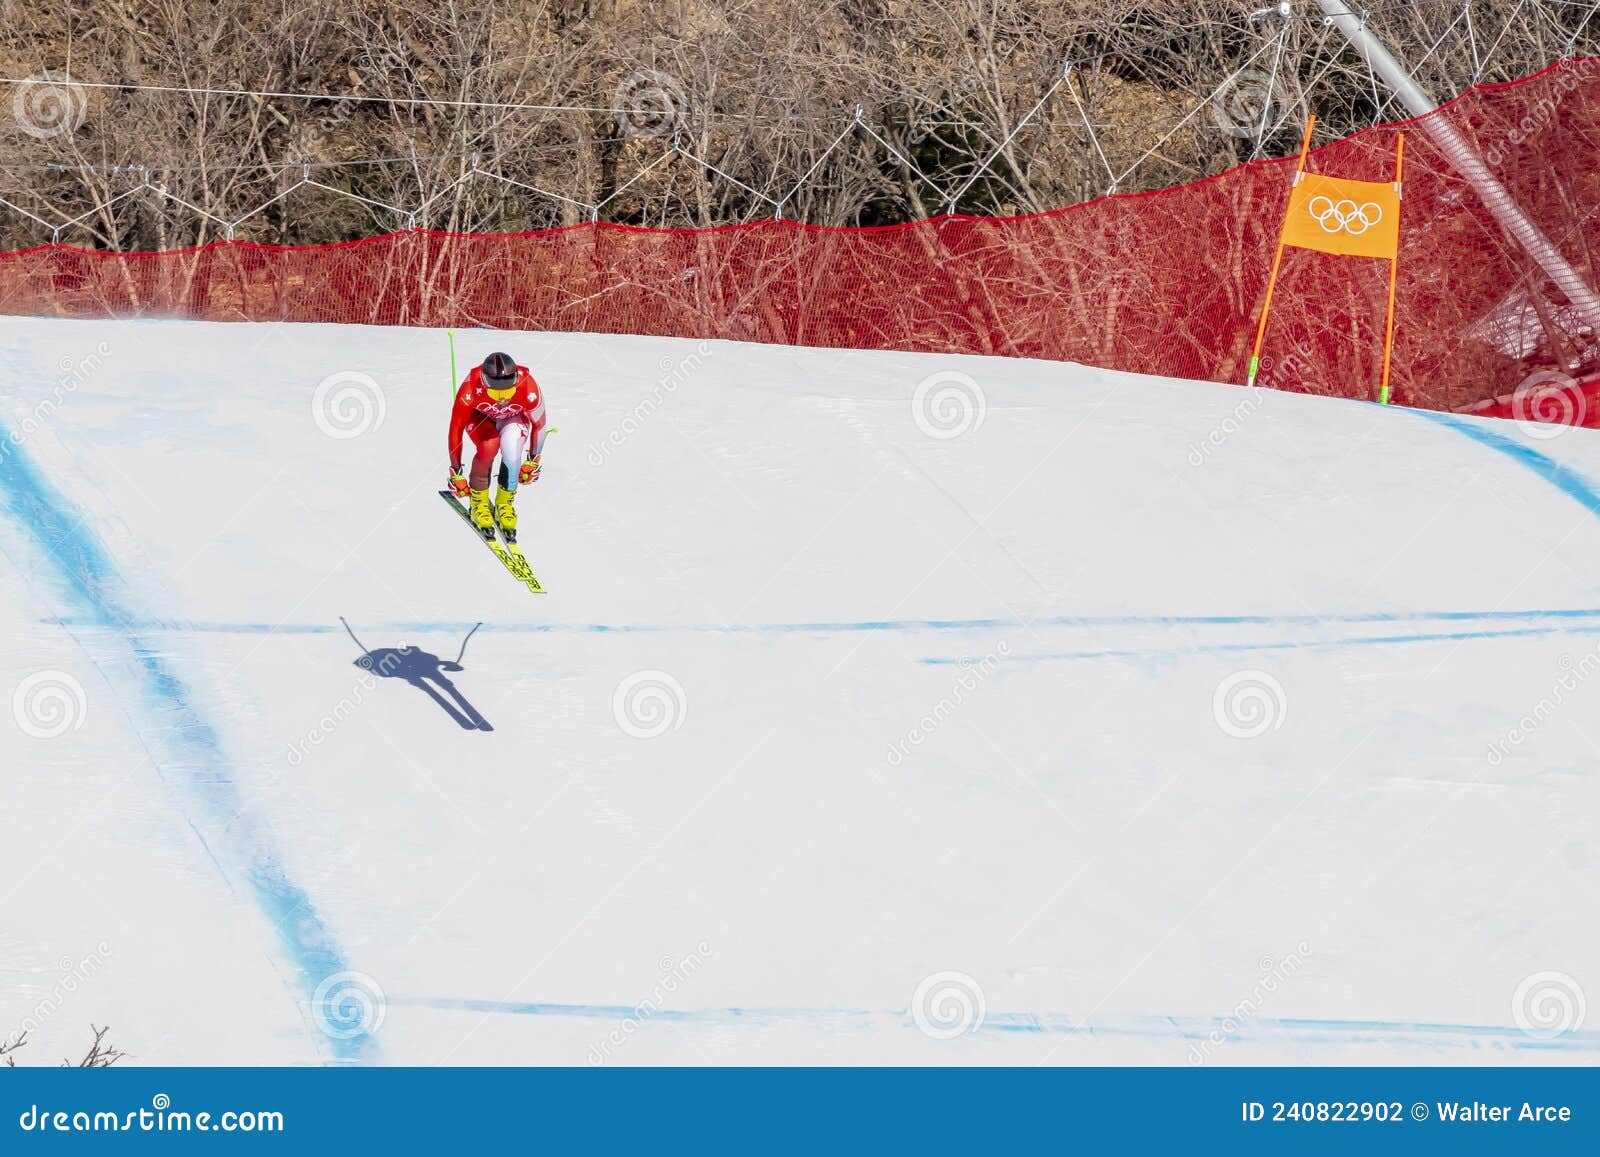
[(502, 408)]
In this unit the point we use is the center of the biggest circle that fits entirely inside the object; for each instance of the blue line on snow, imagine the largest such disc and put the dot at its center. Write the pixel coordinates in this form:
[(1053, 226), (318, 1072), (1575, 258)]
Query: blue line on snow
[(184, 747), (1186, 1027), (1563, 478), (1294, 645), (1563, 614)]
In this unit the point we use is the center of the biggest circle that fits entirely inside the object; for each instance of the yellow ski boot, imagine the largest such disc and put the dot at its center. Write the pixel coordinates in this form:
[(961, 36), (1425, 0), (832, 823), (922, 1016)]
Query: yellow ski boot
[(478, 509), (505, 513)]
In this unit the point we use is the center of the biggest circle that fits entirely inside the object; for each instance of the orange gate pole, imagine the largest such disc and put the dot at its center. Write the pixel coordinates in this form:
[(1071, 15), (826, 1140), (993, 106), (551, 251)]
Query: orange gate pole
[(1394, 268), (1277, 260)]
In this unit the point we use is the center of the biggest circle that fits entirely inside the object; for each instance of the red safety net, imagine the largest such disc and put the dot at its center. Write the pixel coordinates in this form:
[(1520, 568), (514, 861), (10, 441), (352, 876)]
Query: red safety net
[(1167, 282)]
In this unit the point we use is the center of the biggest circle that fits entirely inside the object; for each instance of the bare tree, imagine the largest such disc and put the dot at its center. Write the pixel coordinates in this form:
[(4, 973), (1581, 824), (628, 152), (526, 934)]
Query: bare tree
[(7, 1047), (495, 115), (100, 1055)]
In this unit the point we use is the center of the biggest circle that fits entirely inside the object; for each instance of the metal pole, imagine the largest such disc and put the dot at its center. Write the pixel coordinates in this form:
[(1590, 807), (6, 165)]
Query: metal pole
[(1460, 153)]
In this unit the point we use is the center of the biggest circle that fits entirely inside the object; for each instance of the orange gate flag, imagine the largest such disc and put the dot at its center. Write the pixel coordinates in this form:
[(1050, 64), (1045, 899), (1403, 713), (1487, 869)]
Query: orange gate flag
[(1355, 218), (1350, 218)]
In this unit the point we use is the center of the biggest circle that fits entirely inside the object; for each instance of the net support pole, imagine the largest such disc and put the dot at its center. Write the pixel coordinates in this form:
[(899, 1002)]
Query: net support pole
[(1277, 261), (1394, 270), (1466, 161)]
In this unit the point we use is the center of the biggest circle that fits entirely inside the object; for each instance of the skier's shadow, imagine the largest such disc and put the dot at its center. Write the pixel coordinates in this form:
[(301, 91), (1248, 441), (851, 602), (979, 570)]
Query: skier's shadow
[(427, 673)]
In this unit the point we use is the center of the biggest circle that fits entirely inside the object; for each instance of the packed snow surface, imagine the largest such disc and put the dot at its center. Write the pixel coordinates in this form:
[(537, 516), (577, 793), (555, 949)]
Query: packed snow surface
[(882, 707)]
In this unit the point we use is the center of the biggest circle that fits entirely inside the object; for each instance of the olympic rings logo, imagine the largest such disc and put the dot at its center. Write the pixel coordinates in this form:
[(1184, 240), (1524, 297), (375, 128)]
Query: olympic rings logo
[(1344, 216)]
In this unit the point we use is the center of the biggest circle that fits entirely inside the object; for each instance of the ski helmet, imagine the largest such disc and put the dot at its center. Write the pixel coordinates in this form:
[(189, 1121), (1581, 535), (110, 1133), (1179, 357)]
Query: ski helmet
[(499, 371)]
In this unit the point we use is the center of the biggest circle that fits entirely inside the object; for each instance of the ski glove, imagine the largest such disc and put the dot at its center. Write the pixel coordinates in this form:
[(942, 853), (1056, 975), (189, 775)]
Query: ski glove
[(459, 486), (529, 471)]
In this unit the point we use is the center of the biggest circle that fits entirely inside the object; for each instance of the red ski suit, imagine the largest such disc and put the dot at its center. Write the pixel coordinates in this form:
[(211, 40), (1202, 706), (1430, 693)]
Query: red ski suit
[(515, 425)]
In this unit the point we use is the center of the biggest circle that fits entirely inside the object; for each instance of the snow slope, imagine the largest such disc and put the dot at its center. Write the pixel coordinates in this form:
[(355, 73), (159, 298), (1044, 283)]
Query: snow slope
[(1158, 721)]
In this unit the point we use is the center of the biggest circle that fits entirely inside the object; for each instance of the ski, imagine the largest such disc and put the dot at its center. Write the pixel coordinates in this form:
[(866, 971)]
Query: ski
[(510, 555), (523, 569)]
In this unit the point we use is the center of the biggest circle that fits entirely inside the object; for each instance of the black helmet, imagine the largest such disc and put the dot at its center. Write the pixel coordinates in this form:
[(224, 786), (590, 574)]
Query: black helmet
[(499, 371)]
